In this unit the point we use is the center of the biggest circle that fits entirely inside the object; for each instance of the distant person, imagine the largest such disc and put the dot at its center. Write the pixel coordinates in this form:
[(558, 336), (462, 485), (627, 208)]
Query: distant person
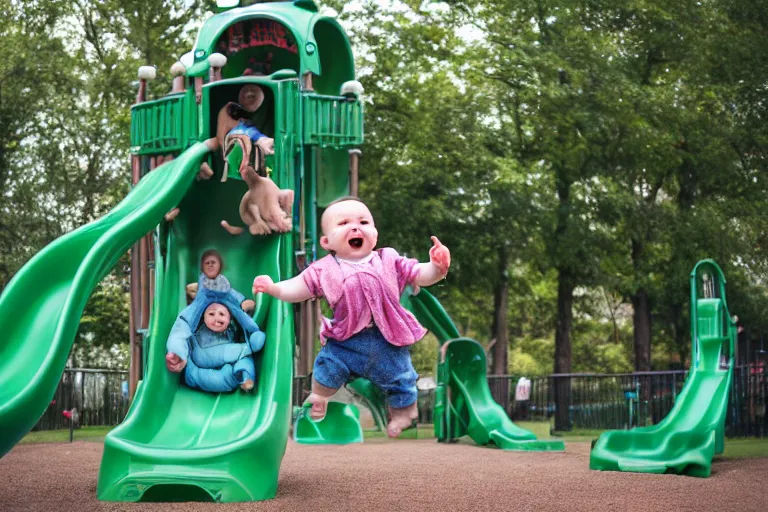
[(522, 397)]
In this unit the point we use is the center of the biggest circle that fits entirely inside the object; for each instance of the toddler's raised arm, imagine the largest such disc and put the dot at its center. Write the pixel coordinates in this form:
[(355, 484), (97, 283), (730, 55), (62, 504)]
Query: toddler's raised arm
[(290, 290)]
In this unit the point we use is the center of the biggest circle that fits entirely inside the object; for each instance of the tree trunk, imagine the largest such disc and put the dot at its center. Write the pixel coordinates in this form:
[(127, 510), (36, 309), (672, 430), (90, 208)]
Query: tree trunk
[(563, 350), (682, 332), (642, 312), (500, 320), (642, 324), (501, 328)]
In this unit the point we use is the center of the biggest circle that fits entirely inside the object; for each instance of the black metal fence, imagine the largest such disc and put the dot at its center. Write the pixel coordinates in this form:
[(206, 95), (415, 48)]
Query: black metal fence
[(596, 401), (87, 397), (617, 401)]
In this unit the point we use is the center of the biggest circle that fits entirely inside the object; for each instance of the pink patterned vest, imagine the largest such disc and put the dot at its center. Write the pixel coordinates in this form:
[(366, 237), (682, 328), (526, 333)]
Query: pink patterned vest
[(361, 293)]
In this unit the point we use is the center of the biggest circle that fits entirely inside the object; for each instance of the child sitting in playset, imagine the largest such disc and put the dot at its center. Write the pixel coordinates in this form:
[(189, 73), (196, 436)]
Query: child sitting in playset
[(211, 278), (370, 331), (203, 339)]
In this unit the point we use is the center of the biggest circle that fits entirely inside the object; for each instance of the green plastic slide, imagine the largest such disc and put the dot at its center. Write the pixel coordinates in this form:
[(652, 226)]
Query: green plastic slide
[(40, 309), (464, 405), (472, 410), (373, 398), (693, 432), (341, 425), (177, 443)]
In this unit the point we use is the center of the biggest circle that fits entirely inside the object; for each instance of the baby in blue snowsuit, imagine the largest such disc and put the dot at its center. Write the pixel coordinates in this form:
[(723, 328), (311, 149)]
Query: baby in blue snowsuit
[(202, 341)]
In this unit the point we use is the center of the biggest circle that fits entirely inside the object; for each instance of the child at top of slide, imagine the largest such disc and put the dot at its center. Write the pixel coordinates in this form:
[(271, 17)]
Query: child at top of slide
[(370, 331)]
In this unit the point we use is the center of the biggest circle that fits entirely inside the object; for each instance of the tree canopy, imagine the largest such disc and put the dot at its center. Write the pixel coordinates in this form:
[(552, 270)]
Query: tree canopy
[(578, 158)]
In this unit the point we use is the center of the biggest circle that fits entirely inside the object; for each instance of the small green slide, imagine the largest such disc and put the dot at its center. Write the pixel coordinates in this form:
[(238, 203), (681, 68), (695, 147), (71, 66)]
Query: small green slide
[(464, 402), (176, 444), (693, 432), (341, 425), (373, 398), (471, 409)]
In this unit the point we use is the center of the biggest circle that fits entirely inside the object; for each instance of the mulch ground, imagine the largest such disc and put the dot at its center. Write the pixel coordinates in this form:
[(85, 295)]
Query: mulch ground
[(402, 476)]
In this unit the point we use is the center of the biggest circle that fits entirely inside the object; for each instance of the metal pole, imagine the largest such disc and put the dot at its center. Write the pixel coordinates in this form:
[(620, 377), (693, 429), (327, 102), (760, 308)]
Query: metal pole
[(135, 349), (354, 165), (135, 361), (306, 82)]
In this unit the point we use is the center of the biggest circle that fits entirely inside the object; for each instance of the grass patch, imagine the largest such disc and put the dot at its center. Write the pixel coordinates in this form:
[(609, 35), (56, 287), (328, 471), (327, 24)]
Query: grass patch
[(95, 434), (734, 448), (542, 429), (745, 448)]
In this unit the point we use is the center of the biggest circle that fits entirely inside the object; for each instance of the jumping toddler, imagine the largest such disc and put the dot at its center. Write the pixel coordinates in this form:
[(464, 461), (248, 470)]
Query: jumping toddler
[(370, 331)]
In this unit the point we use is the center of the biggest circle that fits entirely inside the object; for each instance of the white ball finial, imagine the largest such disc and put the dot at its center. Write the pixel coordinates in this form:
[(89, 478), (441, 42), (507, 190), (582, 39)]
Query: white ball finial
[(147, 73), (351, 88), (188, 59), (178, 69), (217, 60)]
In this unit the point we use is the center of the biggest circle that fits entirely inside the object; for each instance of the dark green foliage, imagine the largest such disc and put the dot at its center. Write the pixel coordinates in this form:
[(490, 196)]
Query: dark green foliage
[(588, 151)]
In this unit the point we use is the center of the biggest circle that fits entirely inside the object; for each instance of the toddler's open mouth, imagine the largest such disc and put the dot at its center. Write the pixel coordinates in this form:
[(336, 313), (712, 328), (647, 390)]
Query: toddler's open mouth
[(356, 242)]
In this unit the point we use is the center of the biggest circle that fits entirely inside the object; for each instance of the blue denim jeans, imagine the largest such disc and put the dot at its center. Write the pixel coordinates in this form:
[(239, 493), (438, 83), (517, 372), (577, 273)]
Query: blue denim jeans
[(369, 355)]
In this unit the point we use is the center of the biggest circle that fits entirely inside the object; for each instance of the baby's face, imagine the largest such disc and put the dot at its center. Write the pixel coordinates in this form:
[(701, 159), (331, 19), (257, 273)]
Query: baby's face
[(348, 230), (216, 318), (251, 96), (211, 267)]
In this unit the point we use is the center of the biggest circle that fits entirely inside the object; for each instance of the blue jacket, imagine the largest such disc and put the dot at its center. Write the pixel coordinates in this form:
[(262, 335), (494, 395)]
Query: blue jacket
[(190, 318)]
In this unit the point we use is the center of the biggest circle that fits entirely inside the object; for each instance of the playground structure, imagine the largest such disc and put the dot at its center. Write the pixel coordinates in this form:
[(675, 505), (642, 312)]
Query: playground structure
[(176, 441), (180, 443)]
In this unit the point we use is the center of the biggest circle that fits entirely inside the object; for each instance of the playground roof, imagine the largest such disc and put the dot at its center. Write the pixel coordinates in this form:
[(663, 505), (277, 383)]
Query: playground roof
[(300, 17)]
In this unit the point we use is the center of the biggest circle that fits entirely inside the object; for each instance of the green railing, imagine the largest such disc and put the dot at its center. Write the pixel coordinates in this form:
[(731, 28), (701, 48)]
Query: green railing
[(160, 126), (332, 121)]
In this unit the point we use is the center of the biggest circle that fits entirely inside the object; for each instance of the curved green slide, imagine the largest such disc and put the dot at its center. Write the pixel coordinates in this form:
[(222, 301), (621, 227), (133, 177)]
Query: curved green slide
[(341, 425), (464, 404), (176, 444), (40, 309), (693, 432), (472, 410)]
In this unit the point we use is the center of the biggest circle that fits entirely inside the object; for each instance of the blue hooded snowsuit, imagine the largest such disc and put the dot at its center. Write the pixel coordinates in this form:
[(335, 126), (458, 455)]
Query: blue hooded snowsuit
[(215, 363)]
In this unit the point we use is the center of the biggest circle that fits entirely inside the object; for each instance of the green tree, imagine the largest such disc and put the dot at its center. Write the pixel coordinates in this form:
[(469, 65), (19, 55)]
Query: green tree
[(66, 88), (29, 78)]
